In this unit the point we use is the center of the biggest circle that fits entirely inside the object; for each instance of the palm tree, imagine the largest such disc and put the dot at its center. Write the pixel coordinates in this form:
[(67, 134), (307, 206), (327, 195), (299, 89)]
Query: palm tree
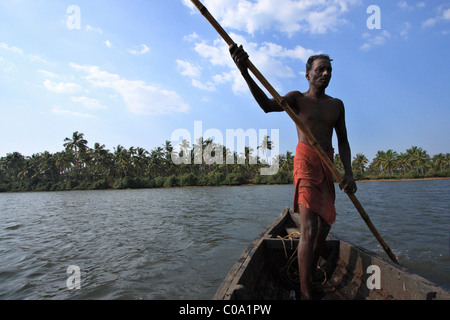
[(121, 160), (439, 161), (197, 153), (229, 159), (168, 148), (288, 163), (266, 144), (14, 163), (376, 165), (131, 165), (185, 151), (64, 160), (359, 163), (410, 156), (402, 161), (156, 162), (338, 163), (77, 145), (389, 161), (418, 158), (101, 159), (28, 169), (213, 154), (422, 159), (47, 165), (140, 160), (248, 160)]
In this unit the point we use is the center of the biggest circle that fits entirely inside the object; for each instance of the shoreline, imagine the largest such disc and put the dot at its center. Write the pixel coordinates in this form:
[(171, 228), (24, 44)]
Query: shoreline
[(218, 186)]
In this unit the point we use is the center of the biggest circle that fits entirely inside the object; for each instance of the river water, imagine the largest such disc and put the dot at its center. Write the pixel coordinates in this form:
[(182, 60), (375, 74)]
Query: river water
[(180, 243)]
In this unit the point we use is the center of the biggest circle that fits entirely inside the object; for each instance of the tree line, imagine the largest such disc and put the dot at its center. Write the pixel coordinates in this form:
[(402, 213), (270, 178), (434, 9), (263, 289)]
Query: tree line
[(79, 167)]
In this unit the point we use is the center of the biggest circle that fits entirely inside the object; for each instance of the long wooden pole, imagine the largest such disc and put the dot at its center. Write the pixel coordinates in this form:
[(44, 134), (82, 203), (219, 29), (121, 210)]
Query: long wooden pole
[(283, 103)]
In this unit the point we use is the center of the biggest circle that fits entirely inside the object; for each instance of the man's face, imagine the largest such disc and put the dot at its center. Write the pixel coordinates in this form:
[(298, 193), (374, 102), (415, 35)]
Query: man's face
[(320, 74)]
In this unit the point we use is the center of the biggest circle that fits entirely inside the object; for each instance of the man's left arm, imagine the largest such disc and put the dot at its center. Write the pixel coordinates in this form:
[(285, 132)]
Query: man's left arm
[(348, 183)]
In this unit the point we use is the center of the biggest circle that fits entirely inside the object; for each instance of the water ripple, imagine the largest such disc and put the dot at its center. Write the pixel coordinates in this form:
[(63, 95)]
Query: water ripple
[(180, 243)]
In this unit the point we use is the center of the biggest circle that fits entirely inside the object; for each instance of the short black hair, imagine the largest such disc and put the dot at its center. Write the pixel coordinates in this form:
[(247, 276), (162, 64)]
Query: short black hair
[(311, 60)]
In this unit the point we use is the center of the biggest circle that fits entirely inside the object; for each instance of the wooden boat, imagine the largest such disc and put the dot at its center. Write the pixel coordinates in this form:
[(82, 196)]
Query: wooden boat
[(268, 270)]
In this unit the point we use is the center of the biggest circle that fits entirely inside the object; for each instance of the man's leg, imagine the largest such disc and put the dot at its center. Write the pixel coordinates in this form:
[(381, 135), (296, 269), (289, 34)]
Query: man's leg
[(322, 233), (308, 232)]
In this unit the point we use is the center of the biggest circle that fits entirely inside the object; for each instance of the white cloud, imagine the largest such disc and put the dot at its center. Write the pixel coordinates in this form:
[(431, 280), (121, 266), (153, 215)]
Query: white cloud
[(89, 103), (61, 87), (271, 60), (287, 16), (36, 58), (372, 40), (189, 4), (224, 77), (48, 74), (108, 43), (405, 30), (443, 15), (139, 96), (188, 69), (19, 51), (446, 14), (7, 66), (208, 86), (192, 37), (144, 49), (404, 5), (5, 46), (429, 22), (59, 111), (216, 53), (97, 30), (325, 20), (277, 51)]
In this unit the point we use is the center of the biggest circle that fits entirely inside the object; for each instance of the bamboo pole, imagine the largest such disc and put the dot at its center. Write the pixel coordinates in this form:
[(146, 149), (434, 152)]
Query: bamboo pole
[(283, 103)]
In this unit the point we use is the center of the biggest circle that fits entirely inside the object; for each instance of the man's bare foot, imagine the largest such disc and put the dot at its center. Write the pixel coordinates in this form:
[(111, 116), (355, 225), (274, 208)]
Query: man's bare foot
[(322, 288), (304, 297)]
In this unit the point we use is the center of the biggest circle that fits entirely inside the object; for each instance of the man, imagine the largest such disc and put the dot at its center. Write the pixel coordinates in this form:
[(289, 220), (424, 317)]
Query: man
[(314, 187)]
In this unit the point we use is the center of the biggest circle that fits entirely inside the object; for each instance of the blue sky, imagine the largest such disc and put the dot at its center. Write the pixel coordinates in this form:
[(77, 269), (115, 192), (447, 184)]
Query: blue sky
[(132, 72)]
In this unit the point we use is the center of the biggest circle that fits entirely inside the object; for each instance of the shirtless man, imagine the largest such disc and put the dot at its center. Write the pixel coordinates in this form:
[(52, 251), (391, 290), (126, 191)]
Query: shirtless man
[(321, 114)]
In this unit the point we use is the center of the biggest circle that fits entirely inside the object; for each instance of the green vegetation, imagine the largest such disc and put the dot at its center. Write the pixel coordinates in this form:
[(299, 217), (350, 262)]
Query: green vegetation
[(415, 163), (79, 167)]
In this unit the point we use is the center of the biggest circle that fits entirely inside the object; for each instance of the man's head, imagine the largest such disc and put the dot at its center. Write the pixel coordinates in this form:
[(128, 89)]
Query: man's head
[(311, 60), (318, 70)]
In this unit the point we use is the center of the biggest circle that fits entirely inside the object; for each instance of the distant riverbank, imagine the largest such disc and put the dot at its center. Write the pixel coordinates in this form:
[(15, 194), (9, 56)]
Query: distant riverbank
[(79, 167), (176, 182)]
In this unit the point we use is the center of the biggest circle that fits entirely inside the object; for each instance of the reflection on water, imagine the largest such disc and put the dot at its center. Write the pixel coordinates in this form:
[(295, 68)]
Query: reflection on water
[(180, 243)]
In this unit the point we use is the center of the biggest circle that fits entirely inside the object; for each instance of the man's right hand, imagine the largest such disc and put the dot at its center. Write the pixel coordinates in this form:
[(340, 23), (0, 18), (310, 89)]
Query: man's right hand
[(240, 57), (348, 184)]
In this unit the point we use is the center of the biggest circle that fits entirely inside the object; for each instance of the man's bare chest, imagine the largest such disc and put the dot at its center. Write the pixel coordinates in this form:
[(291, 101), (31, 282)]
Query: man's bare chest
[(315, 113)]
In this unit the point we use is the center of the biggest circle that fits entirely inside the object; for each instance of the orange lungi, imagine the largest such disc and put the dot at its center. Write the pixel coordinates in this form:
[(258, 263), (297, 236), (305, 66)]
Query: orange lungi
[(314, 186)]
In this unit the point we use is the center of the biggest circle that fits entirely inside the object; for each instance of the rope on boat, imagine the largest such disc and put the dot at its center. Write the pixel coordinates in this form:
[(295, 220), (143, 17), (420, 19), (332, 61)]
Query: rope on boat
[(292, 272)]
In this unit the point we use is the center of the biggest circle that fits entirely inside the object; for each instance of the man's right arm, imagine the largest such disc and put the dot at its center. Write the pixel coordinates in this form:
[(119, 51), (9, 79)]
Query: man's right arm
[(240, 57), (348, 182)]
